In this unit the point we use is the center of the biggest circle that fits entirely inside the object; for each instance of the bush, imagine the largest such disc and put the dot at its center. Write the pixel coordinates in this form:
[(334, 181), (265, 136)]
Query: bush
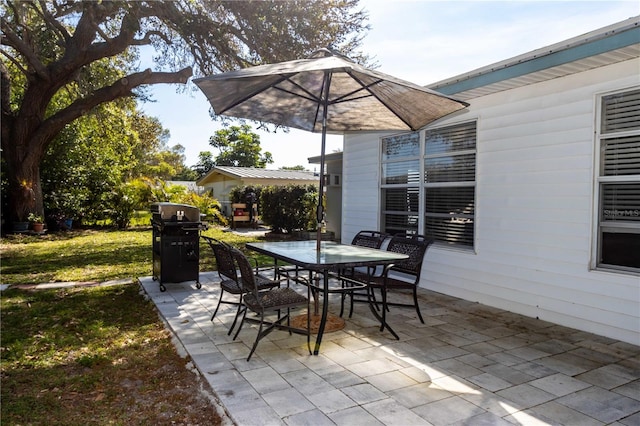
[(240, 194), (289, 208)]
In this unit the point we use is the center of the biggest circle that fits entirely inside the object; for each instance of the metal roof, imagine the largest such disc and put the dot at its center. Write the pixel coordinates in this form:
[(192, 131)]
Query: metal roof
[(608, 45), (333, 156), (258, 173)]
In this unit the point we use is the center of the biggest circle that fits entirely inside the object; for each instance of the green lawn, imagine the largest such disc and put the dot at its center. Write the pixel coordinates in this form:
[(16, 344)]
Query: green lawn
[(90, 255), (92, 355)]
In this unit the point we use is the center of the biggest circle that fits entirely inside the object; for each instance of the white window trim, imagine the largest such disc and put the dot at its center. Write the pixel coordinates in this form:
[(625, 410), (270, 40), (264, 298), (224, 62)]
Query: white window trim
[(422, 186), (598, 180)]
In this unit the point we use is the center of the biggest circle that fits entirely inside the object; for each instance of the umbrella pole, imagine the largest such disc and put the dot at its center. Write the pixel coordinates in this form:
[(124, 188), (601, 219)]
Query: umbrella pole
[(325, 107)]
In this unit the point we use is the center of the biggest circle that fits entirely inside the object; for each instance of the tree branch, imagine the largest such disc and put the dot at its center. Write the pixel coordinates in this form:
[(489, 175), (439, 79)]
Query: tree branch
[(121, 88), (5, 96), (51, 20), (14, 61), (147, 38), (13, 40)]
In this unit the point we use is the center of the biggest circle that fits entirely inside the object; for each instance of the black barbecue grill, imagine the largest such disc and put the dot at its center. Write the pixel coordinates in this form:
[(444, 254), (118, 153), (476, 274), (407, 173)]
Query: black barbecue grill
[(176, 238)]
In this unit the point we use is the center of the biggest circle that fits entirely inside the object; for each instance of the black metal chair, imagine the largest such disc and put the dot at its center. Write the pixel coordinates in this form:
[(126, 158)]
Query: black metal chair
[(263, 302), (403, 275), (371, 239), (229, 282)]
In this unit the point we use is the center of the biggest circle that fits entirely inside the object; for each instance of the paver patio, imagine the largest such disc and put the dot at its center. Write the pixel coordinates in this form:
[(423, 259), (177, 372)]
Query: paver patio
[(468, 364)]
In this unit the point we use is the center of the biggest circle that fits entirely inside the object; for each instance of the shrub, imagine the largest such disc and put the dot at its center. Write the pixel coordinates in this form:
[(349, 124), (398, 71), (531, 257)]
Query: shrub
[(240, 194), (289, 208)]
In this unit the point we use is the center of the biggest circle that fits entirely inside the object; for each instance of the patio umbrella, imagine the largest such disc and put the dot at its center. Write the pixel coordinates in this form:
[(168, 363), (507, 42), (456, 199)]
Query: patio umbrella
[(327, 92)]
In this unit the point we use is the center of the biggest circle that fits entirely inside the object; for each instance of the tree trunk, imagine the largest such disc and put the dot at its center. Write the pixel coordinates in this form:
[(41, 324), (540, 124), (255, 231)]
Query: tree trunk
[(22, 169)]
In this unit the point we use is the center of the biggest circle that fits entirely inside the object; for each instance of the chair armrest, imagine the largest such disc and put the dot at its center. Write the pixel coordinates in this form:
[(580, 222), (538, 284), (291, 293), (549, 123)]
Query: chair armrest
[(259, 269), (353, 283)]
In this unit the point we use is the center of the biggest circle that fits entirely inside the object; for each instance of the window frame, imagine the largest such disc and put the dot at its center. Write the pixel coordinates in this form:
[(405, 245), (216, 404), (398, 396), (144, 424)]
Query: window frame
[(415, 185), (600, 226), (423, 186)]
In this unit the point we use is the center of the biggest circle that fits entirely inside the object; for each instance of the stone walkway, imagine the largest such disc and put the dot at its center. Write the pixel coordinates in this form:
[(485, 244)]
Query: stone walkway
[(468, 365)]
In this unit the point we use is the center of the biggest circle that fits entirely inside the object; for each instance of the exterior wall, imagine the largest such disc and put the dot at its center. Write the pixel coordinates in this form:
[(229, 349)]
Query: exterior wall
[(360, 180), (221, 188), (333, 192), (534, 207)]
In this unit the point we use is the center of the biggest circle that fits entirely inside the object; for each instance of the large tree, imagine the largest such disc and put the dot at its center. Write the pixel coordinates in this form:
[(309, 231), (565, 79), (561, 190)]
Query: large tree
[(239, 147), (49, 47)]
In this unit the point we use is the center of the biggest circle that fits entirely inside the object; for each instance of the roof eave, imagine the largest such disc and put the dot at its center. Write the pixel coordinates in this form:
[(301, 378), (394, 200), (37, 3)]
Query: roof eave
[(607, 39)]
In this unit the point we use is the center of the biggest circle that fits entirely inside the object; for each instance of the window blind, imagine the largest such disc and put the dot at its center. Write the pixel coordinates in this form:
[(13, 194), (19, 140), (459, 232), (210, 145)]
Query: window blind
[(621, 156), (447, 186), (450, 139), (402, 199), (401, 172), (450, 174), (399, 146), (621, 202), (621, 112)]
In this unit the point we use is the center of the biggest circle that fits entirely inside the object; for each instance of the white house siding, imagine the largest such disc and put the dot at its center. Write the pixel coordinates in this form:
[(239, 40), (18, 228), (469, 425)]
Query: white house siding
[(360, 180), (534, 207)]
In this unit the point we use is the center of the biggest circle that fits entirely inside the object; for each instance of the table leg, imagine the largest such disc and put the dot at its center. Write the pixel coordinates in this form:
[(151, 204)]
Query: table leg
[(325, 308), (383, 318)]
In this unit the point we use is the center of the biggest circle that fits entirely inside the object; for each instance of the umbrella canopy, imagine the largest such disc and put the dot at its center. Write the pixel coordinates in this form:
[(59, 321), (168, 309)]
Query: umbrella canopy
[(327, 92)]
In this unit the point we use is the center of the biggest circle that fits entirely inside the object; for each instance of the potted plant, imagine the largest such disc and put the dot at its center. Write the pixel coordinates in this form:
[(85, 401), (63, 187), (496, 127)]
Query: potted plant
[(62, 207), (26, 194), (37, 223)]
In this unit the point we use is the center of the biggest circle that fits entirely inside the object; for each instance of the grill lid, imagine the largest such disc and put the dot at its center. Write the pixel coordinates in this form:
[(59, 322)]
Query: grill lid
[(174, 212)]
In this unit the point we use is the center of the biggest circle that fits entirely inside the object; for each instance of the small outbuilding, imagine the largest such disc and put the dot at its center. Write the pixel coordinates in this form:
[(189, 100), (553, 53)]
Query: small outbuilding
[(222, 179)]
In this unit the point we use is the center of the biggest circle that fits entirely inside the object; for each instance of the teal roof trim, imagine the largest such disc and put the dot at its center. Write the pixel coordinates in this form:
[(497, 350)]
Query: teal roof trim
[(596, 47)]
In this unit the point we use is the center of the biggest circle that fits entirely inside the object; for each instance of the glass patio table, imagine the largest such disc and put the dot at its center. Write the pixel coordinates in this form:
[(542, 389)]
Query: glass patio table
[(332, 258)]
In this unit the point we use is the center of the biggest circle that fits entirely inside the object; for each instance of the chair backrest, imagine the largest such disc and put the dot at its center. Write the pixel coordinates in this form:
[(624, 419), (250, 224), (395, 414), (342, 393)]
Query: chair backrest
[(247, 277), (415, 246), (371, 239), (224, 259)]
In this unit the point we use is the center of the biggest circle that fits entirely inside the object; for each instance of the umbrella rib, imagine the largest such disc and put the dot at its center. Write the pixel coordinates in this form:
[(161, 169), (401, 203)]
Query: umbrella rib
[(363, 87), (253, 93), (367, 88), (323, 101), (309, 97)]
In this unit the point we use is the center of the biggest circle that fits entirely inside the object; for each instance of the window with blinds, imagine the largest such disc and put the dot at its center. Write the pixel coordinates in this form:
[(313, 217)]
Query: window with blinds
[(428, 183), (619, 182), (401, 178), (449, 182)]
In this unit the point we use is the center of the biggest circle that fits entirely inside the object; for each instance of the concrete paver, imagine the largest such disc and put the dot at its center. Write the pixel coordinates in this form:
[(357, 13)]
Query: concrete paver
[(468, 364)]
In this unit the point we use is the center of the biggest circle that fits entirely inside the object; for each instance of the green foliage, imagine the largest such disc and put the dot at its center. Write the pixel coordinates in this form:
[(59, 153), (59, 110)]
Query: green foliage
[(206, 162), (239, 147), (240, 194), (34, 218), (209, 206), (289, 208), (186, 173), (122, 202), (78, 62), (90, 158)]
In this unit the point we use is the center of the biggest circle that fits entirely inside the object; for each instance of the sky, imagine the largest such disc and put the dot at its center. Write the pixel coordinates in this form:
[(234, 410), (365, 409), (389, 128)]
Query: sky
[(420, 41)]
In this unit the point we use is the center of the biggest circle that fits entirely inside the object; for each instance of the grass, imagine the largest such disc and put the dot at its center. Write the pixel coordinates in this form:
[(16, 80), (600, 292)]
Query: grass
[(92, 355), (91, 255)]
